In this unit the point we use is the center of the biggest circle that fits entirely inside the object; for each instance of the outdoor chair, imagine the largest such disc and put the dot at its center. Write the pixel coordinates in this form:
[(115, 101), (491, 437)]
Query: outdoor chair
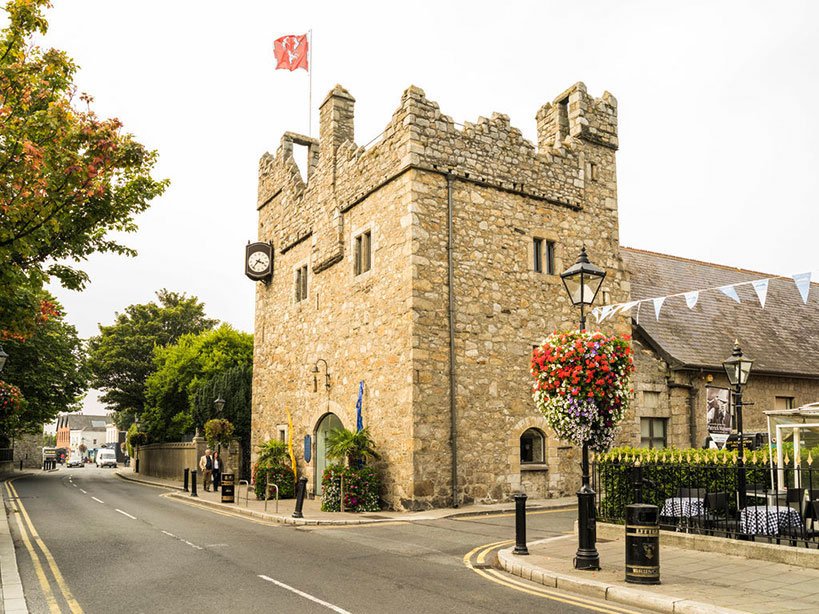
[(716, 514)]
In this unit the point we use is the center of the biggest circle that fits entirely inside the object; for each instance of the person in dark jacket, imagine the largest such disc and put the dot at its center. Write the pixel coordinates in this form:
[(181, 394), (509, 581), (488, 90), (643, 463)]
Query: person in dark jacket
[(218, 467)]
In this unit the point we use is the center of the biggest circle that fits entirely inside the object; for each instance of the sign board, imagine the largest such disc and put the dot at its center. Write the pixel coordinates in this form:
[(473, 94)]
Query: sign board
[(308, 448), (718, 440), (719, 419)]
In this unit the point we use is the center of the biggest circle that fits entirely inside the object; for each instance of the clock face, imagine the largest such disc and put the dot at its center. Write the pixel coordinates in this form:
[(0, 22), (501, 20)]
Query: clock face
[(258, 262)]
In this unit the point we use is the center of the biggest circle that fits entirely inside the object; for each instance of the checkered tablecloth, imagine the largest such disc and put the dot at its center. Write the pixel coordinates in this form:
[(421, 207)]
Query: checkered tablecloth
[(679, 507), (767, 520)]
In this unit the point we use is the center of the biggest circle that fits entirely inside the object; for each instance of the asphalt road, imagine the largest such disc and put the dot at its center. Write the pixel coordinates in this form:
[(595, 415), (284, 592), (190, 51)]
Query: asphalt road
[(106, 545)]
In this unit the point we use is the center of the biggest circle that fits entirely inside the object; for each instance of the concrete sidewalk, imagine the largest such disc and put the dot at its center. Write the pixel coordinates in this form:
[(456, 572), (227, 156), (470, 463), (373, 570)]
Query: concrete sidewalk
[(312, 507), (692, 581)]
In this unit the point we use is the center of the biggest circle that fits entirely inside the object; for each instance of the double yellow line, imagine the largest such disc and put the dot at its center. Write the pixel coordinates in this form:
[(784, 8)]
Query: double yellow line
[(480, 567), (29, 534)]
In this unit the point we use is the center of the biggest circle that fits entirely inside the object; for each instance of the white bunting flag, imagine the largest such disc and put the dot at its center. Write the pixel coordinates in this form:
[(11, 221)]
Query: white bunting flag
[(803, 285), (691, 298), (637, 317), (658, 304), (596, 313), (730, 292), (606, 312), (627, 306), (761, 287)]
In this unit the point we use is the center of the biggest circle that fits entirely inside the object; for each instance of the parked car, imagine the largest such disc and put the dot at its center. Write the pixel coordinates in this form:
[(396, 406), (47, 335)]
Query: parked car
[(106, 458), (75, 461)]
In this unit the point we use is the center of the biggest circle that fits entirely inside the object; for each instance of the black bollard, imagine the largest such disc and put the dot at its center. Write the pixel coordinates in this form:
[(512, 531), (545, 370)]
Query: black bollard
[(301, 489), (21, 464), (520, 524), (136, 469), (185, 479), (193, 484)]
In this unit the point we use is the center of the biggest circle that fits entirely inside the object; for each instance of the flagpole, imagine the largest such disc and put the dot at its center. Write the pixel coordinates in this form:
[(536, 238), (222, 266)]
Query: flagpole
[(310, 81)]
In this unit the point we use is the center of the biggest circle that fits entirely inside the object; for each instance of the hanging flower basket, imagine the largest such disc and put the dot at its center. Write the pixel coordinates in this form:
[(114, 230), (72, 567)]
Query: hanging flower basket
[(10, 399), (582, 384)]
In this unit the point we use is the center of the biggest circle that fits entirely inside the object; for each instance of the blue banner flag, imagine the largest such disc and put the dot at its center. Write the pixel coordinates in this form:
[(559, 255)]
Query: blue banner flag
[(359, 420)]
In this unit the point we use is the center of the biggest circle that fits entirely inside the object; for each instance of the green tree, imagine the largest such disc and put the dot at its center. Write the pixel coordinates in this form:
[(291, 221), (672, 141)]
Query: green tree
[(67, 177), (181, 369), (121, 357), (50, 370), (218, 432), (234, 386), (354, 447)]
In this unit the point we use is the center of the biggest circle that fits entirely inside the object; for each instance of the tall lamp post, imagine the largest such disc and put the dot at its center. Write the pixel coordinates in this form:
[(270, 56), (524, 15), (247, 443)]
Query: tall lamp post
[(582, 281), (219, 405), (136, 447), (738, 368)]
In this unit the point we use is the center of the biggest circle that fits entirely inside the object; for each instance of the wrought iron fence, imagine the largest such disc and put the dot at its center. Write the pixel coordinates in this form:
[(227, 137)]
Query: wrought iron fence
[(6, 454), (704, 495)]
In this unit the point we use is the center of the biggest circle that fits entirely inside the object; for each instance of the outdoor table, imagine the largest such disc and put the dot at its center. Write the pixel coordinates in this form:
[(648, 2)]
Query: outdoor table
[(683, 507), (767, 520)]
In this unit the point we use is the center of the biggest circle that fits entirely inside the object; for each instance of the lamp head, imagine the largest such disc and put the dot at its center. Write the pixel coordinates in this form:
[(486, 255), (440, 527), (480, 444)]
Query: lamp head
[(582, 280)]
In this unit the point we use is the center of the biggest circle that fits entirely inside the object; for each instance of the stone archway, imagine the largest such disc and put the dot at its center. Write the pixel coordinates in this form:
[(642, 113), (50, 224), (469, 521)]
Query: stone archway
[(326, 423)]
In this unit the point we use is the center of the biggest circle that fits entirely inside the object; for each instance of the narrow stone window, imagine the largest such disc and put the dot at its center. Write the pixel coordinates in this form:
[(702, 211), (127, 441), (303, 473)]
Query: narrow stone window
[(550, 257), (537, 252), (591, 171), (363, 252), (301, 283), (543, 256), (653, 433), (532, 447)]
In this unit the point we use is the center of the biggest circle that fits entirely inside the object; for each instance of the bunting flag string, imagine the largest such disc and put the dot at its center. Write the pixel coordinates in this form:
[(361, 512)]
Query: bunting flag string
[(760, 286)]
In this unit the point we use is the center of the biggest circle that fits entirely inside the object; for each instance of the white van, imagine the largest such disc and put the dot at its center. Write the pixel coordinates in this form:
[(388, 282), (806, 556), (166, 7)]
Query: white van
[(106, 458)]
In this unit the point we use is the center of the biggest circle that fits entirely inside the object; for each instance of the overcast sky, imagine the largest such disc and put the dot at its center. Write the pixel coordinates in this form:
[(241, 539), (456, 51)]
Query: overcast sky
[(717, 100)]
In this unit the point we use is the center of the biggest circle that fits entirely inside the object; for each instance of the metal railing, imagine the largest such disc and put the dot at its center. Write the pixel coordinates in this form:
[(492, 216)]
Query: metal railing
[(777, 504)]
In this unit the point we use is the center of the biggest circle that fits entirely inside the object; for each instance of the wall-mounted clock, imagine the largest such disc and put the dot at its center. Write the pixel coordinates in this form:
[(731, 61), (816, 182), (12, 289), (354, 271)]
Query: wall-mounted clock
[(259, 261)]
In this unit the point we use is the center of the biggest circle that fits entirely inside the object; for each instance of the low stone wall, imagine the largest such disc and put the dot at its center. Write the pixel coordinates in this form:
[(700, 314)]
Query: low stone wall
[(169, 460), (29, 449)]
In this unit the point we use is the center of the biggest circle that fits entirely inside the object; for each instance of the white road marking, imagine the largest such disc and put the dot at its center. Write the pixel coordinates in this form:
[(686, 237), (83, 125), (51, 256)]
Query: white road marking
[(184, 541), (332, 607), (192, 545), (82, 491), (126, 514), (97, 500), (169, 534)]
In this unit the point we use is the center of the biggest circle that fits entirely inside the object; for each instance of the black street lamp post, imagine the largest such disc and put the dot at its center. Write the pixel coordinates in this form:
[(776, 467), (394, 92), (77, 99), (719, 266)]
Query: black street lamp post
[(738, 368), (582, 281)]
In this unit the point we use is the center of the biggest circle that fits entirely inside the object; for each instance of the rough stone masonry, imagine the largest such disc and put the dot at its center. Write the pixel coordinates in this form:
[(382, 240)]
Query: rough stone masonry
[(452, 217)]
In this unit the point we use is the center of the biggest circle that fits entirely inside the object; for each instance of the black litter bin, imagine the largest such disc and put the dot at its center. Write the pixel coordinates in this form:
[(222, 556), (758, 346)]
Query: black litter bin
[(642, 544), (227, 488)]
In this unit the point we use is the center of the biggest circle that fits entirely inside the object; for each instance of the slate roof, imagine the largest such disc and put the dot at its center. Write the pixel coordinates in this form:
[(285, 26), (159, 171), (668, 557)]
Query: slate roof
[(81, 422), (782, 338)]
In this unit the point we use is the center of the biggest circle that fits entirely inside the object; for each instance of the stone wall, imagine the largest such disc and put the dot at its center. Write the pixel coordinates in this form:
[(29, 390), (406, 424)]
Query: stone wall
[(169, 460), (29, 449), (390, 327)]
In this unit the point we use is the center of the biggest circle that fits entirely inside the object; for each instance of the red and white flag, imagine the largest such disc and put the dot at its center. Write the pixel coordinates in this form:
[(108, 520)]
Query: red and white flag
[(291, 52)]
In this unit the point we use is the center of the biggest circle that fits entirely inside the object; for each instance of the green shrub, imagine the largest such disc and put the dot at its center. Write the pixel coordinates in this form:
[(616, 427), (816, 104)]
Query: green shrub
[(360, 489), (280, 475), (665, 471)]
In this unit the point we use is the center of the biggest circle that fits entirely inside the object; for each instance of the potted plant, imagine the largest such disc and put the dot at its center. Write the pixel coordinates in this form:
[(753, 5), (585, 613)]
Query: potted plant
[(352, 486)]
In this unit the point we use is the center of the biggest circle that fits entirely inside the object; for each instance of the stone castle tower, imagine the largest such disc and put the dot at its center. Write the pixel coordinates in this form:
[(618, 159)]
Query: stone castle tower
[(427, 266)]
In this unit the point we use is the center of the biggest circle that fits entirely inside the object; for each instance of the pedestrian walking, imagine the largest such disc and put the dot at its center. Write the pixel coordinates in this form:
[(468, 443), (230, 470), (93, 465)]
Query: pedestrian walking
[(218, 467), (206, 467)]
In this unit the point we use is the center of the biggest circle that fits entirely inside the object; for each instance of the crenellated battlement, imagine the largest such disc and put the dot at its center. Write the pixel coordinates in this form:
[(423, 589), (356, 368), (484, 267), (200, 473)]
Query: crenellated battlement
[(340, 173)]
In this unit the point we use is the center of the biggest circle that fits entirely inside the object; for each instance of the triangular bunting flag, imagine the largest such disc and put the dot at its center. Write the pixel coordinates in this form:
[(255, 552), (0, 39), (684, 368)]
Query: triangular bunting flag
[(761, 287), (803, 284), (627, 306), (637, 317), (691, 298), (606, 312), (596, 313), (730, 292), (658, 304)]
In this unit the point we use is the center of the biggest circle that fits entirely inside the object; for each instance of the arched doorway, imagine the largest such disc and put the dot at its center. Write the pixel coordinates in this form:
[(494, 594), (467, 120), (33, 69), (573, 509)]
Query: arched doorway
[(328, 423)]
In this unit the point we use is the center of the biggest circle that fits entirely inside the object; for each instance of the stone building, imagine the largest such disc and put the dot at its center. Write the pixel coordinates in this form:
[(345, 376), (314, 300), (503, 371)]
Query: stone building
[(680, 354), (426, 266)]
